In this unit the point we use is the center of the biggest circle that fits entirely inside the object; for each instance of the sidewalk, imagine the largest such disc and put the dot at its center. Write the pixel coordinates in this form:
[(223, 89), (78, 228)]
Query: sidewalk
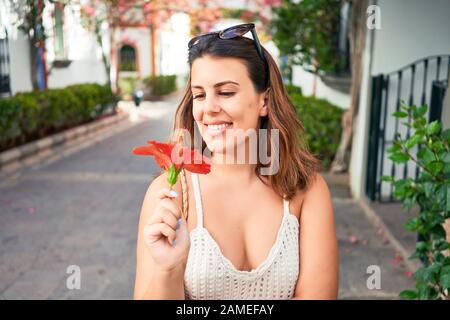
[(79, 208), (361, 245)]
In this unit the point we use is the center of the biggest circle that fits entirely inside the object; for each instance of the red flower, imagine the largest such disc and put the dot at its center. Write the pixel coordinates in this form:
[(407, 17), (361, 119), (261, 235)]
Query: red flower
[(173, 157)]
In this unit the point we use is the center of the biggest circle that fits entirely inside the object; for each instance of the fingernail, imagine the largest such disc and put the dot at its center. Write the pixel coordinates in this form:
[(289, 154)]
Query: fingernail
[(174, 242), (173, 193), (179, 223)]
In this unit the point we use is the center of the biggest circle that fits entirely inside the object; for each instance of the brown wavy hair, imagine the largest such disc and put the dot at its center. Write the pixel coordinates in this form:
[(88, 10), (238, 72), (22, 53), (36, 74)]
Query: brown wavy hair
[(297, 166)]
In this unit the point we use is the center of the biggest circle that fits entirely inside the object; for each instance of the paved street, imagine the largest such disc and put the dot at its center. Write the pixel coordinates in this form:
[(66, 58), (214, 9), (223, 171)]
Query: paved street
[(83, 210)]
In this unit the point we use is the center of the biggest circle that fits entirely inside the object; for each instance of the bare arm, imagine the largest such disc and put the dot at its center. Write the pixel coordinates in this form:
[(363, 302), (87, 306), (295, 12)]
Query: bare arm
[(153, 282), (319, 257)]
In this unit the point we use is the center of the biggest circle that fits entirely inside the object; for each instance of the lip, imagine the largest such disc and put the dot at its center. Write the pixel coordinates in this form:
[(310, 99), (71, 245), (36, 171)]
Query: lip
[(216, 122), (215, 132)]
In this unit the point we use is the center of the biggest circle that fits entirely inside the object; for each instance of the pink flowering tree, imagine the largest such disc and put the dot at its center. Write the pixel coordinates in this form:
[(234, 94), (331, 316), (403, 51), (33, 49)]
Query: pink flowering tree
[(152, 14)]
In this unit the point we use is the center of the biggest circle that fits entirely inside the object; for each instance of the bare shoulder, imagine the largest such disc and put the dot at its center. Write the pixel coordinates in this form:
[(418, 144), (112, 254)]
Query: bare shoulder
[(316, 196), (317, 199), (318, 186)]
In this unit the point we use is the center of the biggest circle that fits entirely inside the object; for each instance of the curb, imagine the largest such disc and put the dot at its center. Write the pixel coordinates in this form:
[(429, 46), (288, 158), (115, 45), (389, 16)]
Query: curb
[(378, 223), (22, 152)]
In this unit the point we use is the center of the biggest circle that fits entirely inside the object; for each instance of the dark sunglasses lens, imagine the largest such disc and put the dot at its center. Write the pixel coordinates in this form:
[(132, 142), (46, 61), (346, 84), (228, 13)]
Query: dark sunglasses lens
[(196, 39), (192, 41), (234, 32)]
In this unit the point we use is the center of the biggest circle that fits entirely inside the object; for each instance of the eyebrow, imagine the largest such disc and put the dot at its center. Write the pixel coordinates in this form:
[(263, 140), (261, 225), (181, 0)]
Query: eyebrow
[(217, 84)]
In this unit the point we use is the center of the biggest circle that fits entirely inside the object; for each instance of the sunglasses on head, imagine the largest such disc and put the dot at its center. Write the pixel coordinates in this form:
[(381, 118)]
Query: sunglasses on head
[(234, 32)]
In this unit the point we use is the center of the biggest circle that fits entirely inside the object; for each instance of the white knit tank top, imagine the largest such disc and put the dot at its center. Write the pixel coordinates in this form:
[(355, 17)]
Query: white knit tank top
[(210, 275)]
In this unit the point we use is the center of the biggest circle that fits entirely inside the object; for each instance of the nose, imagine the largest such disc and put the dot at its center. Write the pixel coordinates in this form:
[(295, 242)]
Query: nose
[(211, 104)]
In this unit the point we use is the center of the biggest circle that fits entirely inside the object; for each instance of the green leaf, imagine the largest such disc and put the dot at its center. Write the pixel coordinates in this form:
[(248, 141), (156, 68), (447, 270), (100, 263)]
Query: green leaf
[(399, 157), (439, 231), (412, 224), (433, 127), (387, 179), (437, 146), (447, 168), (446, 134), (424, 291), (421, 246), (447, 202), (442, 245), (425, 155), (442, 195), (446, 157), (409, 202), (435, 167), (393, 149), (444, 280), (400, 114), (428, 188), (408, 294), (420, 111), (434, 272), (412, 141)]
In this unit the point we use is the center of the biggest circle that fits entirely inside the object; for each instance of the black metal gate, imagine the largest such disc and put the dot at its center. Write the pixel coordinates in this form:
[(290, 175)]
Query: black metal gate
[(423, 81), (5, 82)]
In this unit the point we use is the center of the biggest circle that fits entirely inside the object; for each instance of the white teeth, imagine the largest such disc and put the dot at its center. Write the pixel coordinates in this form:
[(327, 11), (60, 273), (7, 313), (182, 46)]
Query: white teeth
[(218, 126)]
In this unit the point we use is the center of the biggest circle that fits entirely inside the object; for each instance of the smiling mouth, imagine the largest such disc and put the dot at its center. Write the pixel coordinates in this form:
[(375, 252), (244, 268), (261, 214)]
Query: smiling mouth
[(215, 129)]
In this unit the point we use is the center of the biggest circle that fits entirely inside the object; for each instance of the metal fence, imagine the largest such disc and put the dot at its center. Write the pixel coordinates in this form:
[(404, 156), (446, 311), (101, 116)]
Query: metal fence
[(421, 82)]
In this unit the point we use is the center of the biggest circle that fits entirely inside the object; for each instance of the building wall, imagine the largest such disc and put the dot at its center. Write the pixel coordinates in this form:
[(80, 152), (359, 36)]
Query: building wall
[(410, 30), (19, 62), (81, 48), (19, 65), (140, 38), (305, 80), (173, 41)]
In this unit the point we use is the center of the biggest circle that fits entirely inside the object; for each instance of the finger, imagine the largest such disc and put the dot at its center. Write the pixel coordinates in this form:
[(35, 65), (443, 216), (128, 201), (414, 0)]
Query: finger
[(157, 230), (173, 207), (167, 193), (169, 218), (165, 205)]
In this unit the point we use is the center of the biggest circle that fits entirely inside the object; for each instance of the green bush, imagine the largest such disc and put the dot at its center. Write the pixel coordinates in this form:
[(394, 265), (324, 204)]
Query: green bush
[(10, 109), (30, 115), (161, 84), (431, 192), (292, 89), (322, 122)]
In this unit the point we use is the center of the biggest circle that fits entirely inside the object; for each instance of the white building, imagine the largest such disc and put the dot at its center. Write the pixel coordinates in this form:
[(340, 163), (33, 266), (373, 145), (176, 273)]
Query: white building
[(413, 45), (72, 54)]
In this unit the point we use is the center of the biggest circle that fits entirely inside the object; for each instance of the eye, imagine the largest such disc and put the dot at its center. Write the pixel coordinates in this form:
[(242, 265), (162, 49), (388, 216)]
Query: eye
[(197, 96), (227, 94)]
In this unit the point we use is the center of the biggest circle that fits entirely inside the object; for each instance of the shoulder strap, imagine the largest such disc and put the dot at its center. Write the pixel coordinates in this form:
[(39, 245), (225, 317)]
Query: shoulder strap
[(185, 194)]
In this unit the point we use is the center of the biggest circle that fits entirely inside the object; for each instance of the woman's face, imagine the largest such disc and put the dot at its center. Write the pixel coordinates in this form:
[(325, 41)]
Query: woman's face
[(224, 101)]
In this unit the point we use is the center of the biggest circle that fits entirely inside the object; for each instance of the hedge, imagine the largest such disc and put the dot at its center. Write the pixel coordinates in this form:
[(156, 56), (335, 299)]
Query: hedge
[(322, 122), (31, 115), (161, 84)]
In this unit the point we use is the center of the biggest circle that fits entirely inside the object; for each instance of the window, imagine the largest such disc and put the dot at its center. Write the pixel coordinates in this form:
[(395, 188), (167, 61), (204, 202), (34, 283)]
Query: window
[(127, 58), (5, 85), (60, 53)]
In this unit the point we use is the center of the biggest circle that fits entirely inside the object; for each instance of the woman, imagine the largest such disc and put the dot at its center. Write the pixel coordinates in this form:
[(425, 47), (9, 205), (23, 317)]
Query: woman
[(241, 238)]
